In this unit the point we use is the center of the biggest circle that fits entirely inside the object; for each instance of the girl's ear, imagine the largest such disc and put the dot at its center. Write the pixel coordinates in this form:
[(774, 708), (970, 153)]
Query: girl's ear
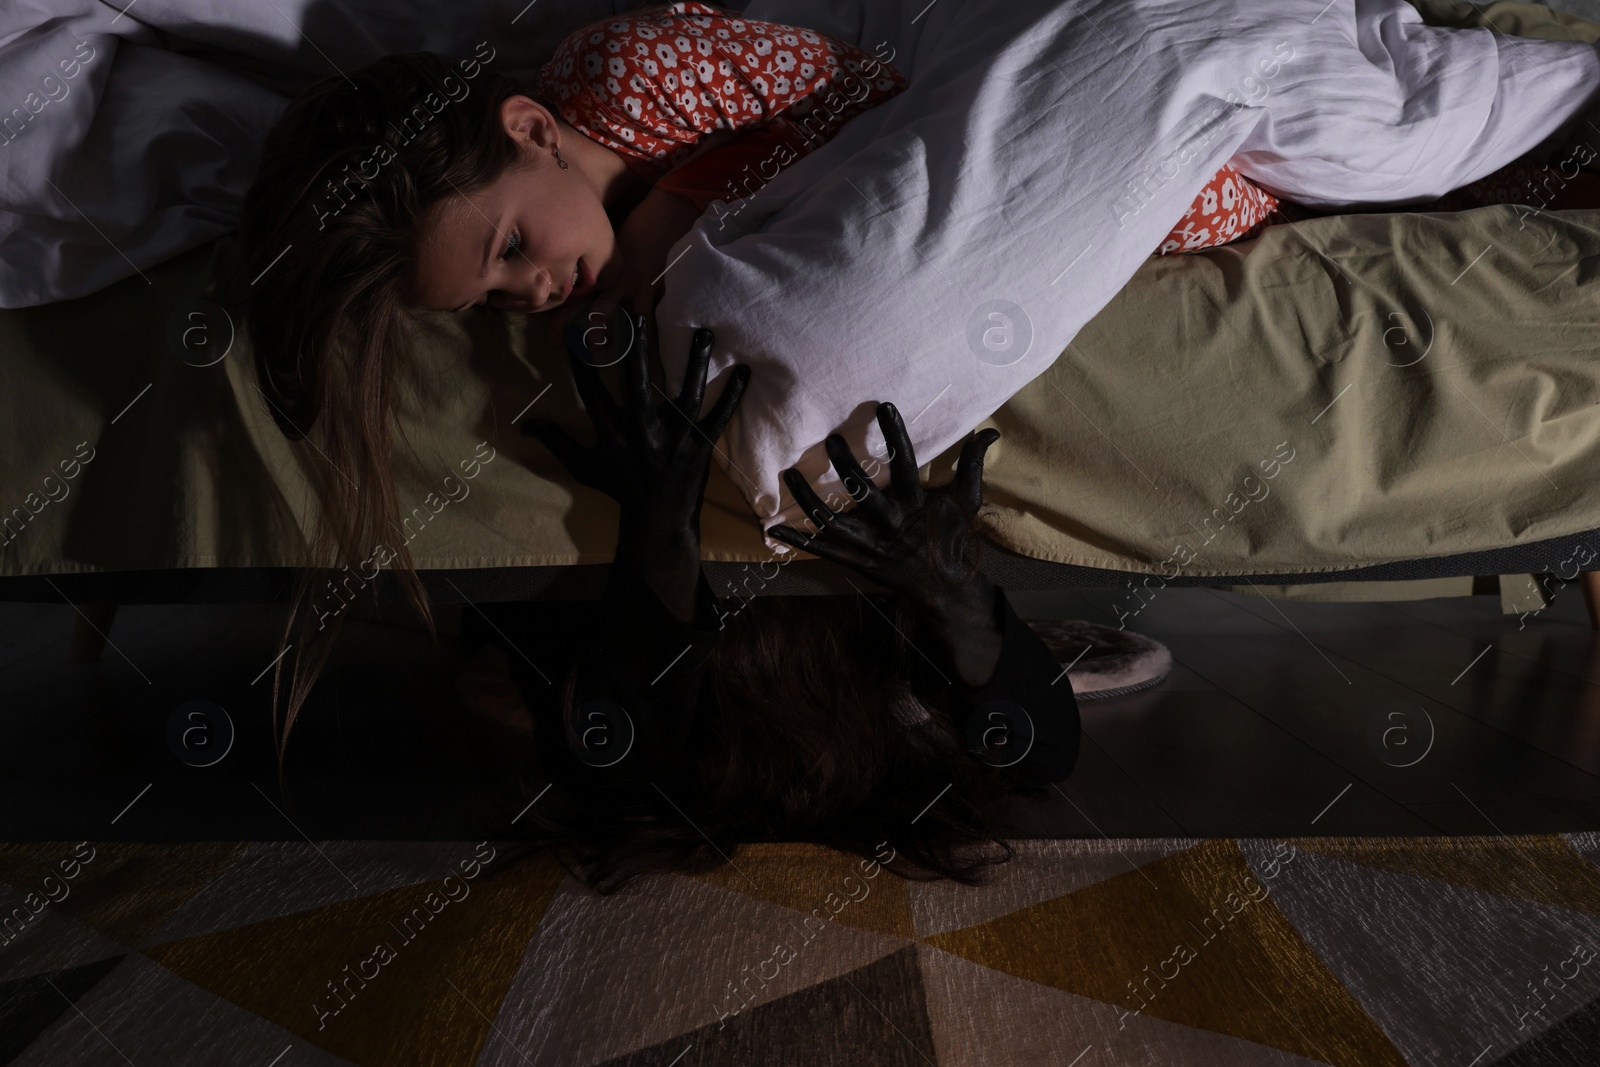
[(528, 122)]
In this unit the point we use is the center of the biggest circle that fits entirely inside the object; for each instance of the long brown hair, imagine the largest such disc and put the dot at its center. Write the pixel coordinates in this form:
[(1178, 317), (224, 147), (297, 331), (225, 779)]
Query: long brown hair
[(328, 236), (822, 722)]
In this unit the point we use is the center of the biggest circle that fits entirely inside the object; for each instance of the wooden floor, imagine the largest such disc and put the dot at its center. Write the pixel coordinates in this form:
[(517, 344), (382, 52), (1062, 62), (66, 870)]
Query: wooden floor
[(1280, 718)]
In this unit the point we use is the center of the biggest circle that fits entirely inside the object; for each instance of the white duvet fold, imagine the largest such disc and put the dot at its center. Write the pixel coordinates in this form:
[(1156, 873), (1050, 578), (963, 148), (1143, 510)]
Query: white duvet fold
[(946, 246)]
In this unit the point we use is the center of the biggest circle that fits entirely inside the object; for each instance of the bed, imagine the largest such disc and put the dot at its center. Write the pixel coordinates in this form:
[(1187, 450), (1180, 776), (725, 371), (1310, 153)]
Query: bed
[(1461, 437)]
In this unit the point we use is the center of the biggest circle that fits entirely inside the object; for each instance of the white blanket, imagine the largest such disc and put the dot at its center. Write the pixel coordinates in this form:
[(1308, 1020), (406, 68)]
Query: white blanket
[(946, 246)]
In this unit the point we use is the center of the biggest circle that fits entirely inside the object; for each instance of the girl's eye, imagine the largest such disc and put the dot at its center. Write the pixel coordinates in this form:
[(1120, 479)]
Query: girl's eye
[(513, 242)]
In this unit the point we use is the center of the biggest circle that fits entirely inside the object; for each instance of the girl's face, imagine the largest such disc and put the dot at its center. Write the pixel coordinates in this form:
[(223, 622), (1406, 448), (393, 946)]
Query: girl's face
[(516, 243)]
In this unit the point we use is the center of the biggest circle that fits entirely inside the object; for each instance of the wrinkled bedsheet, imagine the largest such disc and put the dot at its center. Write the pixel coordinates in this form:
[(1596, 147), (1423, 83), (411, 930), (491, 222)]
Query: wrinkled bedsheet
[(946, 247), (1345, 391)]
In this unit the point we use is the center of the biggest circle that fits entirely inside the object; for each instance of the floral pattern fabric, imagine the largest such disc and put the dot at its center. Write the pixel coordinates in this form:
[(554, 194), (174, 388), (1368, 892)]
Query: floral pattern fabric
[(1222, 214), (652, 84), (1230, 208)]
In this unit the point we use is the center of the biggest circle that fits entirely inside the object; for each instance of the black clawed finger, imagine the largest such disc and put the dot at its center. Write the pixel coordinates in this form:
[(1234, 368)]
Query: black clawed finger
[(807, 498), (790, 536), (903, 477), (969, 469), (722, 413), (644, 337), (694, 375), (804, 542), (591, 390), (636, 372), (856, 482), (835, 552)]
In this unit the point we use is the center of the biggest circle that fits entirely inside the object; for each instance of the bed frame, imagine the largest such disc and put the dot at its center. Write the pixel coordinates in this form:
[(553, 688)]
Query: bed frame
[(97, 595)]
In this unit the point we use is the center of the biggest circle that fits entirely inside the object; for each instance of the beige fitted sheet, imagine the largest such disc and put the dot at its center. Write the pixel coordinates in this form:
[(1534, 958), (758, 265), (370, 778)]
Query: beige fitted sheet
[(1341, 392)]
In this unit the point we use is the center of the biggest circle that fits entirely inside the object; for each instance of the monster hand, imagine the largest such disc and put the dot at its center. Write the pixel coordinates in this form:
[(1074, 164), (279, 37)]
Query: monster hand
[(917, 542), (653, 459)]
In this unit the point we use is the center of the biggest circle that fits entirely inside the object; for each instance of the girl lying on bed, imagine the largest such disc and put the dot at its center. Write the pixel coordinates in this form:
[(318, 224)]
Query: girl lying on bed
[(418, 183), (665, 733)]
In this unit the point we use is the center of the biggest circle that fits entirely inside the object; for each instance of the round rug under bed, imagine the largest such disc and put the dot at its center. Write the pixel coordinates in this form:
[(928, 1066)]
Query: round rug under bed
[(1104, 661)]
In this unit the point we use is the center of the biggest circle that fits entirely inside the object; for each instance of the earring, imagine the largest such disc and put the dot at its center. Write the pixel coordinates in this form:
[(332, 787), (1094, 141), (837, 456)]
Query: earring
[(559, 160)]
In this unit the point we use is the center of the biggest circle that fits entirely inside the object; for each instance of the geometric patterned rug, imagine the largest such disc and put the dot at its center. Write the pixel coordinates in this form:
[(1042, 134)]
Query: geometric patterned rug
[(1224, 953)]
